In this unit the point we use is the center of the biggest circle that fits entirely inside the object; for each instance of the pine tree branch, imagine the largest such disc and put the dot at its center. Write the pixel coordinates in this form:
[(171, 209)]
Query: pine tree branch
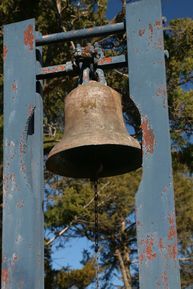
[(63, 231), (121, 73), (60, 10)]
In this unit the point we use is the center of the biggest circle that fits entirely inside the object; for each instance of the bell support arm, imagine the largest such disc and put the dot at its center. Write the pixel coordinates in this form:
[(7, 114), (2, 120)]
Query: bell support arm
[(70, 68), (155, 212), (81, 33), (23, 222)]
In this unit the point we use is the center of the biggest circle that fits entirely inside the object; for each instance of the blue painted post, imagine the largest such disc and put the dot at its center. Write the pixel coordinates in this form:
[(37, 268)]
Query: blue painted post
[(22, 262), (156, 224)]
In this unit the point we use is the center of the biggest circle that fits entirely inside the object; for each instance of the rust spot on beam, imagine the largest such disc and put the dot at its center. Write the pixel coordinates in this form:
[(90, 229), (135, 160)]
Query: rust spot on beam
[(165, 189), (5, 276), (151, 31), (150, 255), (58, 68), (20, 204), (172, 228), (158, 23), (14, 87), (29, 37), (148, 136), (5, 51), (141, 32), (161, 245), (148, 252), (165, 280), (105, 60), (172, 251)]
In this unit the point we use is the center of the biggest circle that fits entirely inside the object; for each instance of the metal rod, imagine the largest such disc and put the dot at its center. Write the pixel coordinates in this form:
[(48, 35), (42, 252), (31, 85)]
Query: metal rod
[(82, 33), (67, 68)]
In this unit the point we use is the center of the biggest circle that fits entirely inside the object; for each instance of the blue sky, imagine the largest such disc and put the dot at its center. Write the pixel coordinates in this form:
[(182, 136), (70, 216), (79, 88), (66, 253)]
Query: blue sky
[(171, 8), (71, 255)]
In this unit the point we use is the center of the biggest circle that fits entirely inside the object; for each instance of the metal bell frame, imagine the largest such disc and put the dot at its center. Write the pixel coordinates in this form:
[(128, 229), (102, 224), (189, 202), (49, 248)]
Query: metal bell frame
[(23, 240)]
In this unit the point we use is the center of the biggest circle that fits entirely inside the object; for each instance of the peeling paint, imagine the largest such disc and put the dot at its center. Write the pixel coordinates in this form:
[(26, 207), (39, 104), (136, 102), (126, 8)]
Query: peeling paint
[(22, 146), (165, 189), (158, 23), (172, 251), (148, 136), (141, 32), (165, 282), (54, 69), (14, 259), (9, 183), (161, 245), (141, 258), (14, 86), (29, 37), (105, 60), (161, 91), (151, 31), (30, 110), (5, 277), (159, 43), (172, 227), (5, 51), (23, 168), (20, 204), (148, 252), (19, 239)]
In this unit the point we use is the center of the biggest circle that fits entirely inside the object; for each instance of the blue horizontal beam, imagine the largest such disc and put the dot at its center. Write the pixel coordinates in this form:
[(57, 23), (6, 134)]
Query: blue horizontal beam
[(81, 33), (67, 68)]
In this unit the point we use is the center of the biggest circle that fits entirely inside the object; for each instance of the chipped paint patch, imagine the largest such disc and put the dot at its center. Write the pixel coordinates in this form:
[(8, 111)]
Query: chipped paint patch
[(14, 86), (14, 259), (172, 227), (148, 252), (30, 110), (12, 116), (161, 245), (165, 189), (158, 23), (9, 184), (148, 136), (5, 277), (19, 239), (23, 168), (5, 51), (141, 32), (165, 280), (172, 251), (161, 91), (54, 69), (20, 204), (29, 37), (151, 31), (105, 60)]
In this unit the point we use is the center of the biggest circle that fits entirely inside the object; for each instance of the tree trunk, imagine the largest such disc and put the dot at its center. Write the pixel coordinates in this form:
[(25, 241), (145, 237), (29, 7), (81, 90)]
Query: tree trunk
[(127, 282)]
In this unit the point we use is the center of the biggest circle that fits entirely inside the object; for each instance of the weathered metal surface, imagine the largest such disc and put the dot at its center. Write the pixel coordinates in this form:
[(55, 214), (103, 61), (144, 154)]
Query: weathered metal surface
[(155, 213), (22, 259), (67, 68), (95, 137), (81, 33)]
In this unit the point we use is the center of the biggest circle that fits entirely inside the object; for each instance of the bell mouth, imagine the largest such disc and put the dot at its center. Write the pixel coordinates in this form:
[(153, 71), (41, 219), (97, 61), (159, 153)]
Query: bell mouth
[(95, 161)]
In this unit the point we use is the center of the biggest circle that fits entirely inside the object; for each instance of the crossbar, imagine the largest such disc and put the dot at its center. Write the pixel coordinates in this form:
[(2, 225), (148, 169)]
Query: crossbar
[(81, 33)]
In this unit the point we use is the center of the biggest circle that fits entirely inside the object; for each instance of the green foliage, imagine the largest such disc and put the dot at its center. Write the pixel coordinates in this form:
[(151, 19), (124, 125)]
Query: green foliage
[(80, 278)]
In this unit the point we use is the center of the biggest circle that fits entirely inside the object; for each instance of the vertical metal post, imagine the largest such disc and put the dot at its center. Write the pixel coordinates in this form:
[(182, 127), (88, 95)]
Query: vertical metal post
[(22, 262), (156, 224)]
